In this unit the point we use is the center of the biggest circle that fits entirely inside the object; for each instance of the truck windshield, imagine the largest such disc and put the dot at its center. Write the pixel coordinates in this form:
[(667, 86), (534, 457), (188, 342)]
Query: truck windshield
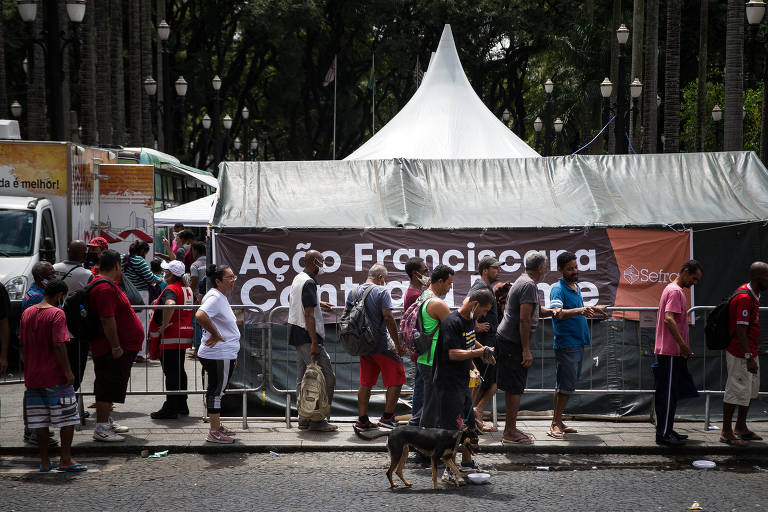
[(17, 230)]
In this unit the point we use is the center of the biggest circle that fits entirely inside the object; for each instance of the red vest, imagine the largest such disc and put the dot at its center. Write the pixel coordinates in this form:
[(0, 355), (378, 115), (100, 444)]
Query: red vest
[(179, 333)]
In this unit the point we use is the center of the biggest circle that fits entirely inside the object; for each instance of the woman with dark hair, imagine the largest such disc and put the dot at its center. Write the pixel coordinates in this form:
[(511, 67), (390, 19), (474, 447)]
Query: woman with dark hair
[(220, 346), (136, 271)]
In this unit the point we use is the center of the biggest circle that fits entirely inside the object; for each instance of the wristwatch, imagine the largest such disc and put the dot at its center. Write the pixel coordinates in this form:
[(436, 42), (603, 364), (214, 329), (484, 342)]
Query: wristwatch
[(747, 355)]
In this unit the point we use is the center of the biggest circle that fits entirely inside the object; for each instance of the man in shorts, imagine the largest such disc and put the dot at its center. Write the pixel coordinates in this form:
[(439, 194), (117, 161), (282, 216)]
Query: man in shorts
[(513, 342), (49, 398), (743, 381), (114, 348), (571, 335), (386, 358)]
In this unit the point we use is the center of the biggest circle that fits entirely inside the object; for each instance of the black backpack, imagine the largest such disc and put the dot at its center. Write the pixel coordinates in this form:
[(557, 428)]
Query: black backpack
[(717, 331), (83, 323), (356, 334)]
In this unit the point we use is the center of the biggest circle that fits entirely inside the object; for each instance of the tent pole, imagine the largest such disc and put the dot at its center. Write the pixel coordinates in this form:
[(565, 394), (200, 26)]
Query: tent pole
[(335, 81)]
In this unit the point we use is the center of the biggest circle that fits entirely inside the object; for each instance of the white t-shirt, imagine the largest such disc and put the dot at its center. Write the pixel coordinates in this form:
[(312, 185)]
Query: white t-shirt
[(77, 277), (217, 307)]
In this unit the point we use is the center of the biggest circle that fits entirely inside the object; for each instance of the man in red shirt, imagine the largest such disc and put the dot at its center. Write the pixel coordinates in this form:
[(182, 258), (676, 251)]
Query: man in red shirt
[(743, 381), (49, 398), (115, 346)]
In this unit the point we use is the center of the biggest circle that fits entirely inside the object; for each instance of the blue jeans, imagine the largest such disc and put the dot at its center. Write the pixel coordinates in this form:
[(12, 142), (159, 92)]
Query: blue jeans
[(418, 397)]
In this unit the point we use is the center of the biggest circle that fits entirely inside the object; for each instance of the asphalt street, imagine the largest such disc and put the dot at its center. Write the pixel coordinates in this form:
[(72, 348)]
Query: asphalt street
[(356, 481)]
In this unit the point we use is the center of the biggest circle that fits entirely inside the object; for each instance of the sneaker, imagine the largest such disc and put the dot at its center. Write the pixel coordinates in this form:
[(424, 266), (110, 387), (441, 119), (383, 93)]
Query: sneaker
[(359, 426), (30, 437), (117, 428), (215, 436), (448, 478), (107, 436), (388, 423), (225, 430), (163, 414), (323, 426)]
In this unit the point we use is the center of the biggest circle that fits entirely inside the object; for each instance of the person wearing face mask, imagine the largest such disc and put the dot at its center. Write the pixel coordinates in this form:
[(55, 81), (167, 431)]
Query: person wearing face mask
[(386, 358), (96, 246), (741, 358), (434, 311), (513, 342), (42, 272), (571, 335), (306, 330), (418, 274), (457, 346), (49, 398)]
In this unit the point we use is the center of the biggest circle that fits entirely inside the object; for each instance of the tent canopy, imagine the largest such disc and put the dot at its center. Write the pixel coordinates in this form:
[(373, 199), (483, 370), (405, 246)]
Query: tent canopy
[(196, 213), (571, 191), (444, 119)]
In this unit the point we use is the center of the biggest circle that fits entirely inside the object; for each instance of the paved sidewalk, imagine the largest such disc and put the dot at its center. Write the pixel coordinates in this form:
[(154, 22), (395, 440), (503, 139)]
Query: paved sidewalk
[(187, 434)]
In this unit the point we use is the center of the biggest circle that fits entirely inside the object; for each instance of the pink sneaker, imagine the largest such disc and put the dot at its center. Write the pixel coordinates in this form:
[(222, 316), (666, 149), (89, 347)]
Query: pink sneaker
[(226, 431), (214, 436)]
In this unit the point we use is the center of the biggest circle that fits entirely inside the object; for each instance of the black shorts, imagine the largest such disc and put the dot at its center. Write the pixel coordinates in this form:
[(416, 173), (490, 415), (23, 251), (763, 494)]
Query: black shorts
[(455, 403), (510, 374), (112, 376)]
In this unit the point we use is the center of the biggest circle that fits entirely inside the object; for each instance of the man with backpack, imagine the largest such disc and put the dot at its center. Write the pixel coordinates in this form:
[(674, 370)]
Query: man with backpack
[(385, 357), (743, 381), (672, 348), (306, 330)]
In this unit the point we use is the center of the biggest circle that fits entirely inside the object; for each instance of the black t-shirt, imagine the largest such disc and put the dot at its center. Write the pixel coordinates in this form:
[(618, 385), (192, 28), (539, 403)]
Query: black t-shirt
[(5, 303), (455, 333), (492, 316), (298, 335), (167, 295)]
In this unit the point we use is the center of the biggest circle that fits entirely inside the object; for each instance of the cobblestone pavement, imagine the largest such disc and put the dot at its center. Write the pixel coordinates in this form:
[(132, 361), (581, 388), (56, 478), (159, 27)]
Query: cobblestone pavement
[(356, 481)]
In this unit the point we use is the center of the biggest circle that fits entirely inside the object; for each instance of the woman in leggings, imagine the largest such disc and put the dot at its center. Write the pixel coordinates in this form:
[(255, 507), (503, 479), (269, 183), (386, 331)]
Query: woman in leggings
[(219, 347)]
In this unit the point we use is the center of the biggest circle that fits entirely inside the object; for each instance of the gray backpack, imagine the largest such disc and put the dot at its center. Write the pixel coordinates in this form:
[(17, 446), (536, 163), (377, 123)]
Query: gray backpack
[(312, 404), (356, 334)]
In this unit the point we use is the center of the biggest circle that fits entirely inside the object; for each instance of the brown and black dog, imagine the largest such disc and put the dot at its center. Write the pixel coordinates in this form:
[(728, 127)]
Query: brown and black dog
[(438, 444)]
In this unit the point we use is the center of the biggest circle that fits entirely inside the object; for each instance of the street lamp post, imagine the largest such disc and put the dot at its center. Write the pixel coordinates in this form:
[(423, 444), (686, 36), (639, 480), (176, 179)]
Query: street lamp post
[(203, 147), (163, 33), (180, 85), (254, 148), (606, 89), (537, 126), (755, 14), (245, 114), (717, 116), (227, 122), (549, 86), (505, 117), (16, 109), (622, 34), (635, 91), (216, 83), (237, 145), (558, 125), (150, 87), (54, 52)]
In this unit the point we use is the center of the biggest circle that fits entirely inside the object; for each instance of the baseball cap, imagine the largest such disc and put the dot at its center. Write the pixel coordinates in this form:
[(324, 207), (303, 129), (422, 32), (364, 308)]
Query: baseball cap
[(488, 261), (175, 267), (99, 242)]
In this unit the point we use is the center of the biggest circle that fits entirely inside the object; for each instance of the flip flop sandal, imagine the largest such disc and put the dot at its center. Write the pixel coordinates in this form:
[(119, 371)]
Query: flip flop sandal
[(488, 427), (734, 442), (570, 430), (555, 434), (527, 439), (750, 436), (74, 468), (43, 470)]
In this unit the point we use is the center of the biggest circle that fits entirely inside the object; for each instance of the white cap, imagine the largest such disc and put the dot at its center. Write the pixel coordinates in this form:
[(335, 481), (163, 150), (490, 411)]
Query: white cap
[(175, 267)]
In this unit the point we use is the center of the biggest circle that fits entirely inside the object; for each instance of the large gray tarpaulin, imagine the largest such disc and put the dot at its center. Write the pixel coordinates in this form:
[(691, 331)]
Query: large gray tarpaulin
[(722, 196), (590, 190)]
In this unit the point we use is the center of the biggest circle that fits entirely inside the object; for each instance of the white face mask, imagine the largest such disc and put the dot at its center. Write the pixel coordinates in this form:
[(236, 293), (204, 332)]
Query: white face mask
[(472, 313), (425, 280)]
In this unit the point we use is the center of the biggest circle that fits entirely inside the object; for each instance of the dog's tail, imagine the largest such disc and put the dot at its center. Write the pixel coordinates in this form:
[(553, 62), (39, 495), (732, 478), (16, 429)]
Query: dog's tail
[(371, 437)]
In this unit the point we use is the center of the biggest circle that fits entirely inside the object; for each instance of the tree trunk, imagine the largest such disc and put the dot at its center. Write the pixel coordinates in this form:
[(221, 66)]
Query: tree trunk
[(672, 79), (104, 67), (734, 77), (638, 27), (651, 66), (117, 77), (702, 110), (615, 23), (37, 124), (88, 80), (146, 70), (3, 78), (134, 79)]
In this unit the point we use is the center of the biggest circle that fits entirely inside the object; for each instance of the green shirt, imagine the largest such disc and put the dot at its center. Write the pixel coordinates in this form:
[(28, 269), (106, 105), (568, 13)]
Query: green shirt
[(429, 324)]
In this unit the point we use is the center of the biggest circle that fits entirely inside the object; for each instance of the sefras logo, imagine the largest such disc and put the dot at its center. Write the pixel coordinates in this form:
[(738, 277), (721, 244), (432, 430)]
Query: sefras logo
[(632, 275)]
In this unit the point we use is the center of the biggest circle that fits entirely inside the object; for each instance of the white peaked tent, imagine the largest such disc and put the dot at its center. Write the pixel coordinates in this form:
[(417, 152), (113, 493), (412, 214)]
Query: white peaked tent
[(445, 120), (196, 213)]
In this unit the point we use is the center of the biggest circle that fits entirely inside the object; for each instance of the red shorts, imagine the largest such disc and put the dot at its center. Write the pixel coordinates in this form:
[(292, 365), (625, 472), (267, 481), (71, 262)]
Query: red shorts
[(392, 372)]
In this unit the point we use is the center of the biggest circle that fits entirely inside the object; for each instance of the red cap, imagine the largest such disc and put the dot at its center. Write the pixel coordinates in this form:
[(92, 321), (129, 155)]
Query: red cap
[(99, 242)]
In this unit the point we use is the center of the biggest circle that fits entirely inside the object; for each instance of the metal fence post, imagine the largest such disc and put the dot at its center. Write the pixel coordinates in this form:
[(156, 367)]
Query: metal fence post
[(706, 412), (245, 410)]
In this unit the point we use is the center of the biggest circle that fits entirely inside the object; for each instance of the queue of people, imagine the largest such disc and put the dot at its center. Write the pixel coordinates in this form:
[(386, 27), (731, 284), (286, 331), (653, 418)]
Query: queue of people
[(485, 343)]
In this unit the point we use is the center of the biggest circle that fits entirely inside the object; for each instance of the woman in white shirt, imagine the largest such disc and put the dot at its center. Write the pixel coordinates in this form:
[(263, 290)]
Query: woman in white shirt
[(219, 347)]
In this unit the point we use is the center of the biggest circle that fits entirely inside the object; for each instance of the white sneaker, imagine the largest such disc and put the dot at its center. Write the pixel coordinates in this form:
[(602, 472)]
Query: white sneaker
[(448, 478), (107, 436), (117, 428)]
